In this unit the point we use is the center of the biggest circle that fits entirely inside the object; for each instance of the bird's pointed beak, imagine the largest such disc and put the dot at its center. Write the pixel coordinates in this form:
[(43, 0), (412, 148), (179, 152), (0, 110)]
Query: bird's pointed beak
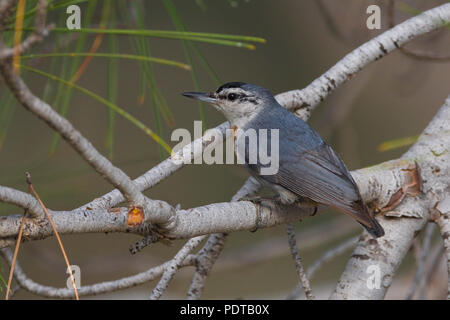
[(202, 96)]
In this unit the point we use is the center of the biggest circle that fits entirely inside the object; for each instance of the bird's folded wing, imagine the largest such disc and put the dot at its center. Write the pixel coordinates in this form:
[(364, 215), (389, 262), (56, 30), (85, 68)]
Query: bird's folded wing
[(318, 174)]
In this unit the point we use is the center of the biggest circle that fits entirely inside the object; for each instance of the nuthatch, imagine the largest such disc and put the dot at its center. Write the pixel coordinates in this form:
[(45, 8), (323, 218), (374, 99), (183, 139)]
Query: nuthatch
[(308, 167)]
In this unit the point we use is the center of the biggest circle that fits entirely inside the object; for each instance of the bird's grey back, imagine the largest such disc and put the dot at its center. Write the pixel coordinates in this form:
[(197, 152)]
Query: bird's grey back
[(294, 132), (307, 165)]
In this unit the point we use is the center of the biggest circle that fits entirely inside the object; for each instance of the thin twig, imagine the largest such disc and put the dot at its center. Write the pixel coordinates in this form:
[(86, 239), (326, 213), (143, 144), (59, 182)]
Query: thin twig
[(41, 15), (420, 271), (6, 10), (36, 36), (444, 225), (304, 101), (330, 254), (205, 261), (144, 242), (211, 251), (94, 289), (16, 251), (33, 191), (173, 267), (435, 260), (331, 24), (298, 261), (326, 257)]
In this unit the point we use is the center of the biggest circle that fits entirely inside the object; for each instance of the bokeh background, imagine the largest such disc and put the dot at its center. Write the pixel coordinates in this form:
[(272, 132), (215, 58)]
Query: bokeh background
[(392, 98)]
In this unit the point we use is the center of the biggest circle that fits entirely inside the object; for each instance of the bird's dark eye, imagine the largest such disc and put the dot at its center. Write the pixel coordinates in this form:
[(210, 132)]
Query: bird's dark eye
[(232, 96)]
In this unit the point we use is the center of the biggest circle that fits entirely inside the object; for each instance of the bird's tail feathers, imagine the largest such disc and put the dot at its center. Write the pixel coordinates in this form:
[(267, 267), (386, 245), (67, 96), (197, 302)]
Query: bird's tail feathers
[(367, 220), (360, 212), (375, 229)]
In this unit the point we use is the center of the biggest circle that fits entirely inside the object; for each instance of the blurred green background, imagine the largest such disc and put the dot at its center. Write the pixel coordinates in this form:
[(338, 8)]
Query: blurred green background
[(392, 98)]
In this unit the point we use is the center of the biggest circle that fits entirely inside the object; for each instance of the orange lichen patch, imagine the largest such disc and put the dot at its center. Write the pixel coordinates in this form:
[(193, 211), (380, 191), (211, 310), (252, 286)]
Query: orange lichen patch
[(135, 216), (412, 188)]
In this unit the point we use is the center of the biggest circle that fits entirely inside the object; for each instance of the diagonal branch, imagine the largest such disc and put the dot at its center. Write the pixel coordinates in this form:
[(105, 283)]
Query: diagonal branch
[(298, 262), (432, 155), (302, 102), (100, 163), (324, 258), (173, 267), (40, 31)]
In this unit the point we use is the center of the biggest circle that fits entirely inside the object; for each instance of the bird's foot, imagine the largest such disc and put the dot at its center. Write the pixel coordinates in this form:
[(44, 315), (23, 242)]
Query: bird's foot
[(259, 202), (305, 202)]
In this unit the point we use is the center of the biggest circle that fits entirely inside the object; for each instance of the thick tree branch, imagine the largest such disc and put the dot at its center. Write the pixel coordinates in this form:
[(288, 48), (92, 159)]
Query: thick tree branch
[(432, 155), (214, 218)]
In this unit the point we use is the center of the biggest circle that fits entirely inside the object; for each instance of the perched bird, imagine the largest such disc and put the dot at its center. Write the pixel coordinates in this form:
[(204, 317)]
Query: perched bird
[(308, 167)]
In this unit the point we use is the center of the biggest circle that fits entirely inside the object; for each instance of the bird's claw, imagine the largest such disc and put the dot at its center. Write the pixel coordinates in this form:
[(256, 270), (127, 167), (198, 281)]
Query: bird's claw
[(305, 202), (260, 202)]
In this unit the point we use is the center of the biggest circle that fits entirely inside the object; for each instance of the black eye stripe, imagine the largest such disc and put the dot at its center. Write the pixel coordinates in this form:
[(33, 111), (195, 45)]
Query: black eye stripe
[(232, 96), (249, 99)]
